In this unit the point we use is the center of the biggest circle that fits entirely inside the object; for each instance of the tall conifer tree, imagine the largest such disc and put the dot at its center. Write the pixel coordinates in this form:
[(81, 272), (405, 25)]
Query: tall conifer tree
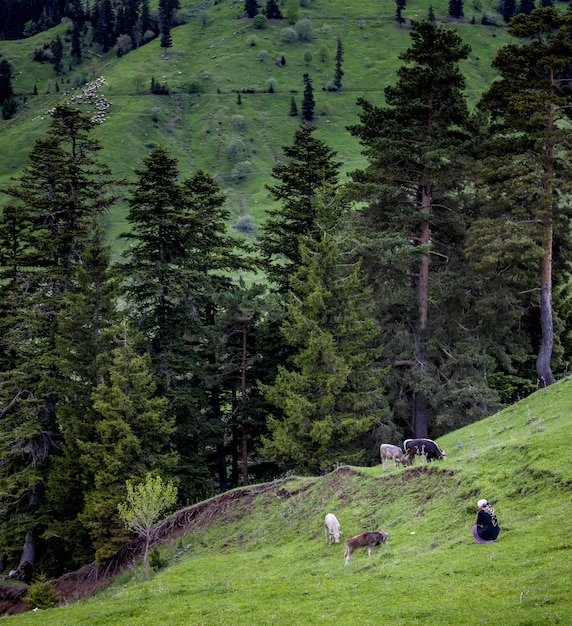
[(415, 146), (179, 262), (333, 393), (47, 232), (309, 164), (527, 170)]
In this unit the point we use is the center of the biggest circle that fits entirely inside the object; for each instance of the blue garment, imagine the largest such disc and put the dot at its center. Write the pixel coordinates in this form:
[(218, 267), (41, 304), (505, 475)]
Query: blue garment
[(487, 526)]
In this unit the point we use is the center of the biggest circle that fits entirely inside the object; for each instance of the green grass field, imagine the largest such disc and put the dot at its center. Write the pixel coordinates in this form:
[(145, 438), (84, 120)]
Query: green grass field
[(201, 121), (263, 559)]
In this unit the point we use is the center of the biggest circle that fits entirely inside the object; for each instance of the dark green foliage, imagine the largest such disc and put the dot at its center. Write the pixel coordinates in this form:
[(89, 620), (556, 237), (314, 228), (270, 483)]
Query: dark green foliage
[(158, 89), (332, 394), (42, 594), (525, 7), (456, 8), (308, 103), (338, 72), (251, 8), (76, 44), (311, 164), (293, 107), (47, 231), (507, 9), (166, 38), (272, 10), (179, 261), (413, 231), (525, 176), (57, 54), (131, 438), (6, 90), (400, 5)]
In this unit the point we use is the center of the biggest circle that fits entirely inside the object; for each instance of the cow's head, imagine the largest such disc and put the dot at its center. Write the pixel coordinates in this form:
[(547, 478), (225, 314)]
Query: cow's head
[(384, 536), (405, 461)]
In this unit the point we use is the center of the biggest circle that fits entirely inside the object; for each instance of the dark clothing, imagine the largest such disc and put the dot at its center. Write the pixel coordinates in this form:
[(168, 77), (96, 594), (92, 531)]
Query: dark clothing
[(487, 526)]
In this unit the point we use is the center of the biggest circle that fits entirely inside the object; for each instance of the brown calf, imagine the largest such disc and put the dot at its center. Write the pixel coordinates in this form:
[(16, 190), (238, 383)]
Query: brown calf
[(368, 540)]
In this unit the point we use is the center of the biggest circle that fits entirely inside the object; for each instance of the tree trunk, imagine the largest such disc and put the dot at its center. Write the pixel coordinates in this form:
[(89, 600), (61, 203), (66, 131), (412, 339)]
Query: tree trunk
[(543, 369), (419, 416), (245, 480), (28, 549)]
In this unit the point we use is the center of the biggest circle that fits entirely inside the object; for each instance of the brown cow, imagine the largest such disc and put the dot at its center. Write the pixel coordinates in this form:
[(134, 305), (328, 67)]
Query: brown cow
[(368, 540)]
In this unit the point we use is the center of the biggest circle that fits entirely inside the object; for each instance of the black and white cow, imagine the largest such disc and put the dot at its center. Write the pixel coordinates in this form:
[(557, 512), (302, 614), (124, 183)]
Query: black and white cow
[(422, 447)]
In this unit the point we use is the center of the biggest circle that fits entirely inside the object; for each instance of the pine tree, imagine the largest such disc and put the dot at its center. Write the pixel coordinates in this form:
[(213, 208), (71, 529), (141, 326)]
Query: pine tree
[(132, 436), (57, 48), (400, 5), (456, 8), (333, 394), (272, 10), (525, 7), (54, 207), (416, 147), (180, 260), (251, 8), (308, 103), (338, 73), (310, 164), (529, 108), (6, 90), (293, 107), (76, 44), (507, 9)]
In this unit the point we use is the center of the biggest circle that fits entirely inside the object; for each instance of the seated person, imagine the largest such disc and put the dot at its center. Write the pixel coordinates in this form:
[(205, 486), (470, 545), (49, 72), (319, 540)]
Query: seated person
[(487, 527)]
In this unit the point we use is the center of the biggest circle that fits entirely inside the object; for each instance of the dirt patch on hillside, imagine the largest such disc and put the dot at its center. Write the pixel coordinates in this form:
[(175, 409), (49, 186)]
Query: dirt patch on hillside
[(84, 582)]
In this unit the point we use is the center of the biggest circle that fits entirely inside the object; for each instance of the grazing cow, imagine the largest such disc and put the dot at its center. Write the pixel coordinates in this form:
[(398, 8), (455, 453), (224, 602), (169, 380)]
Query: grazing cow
[(422, 447), (332, 529), (368, 540), (389, 452)]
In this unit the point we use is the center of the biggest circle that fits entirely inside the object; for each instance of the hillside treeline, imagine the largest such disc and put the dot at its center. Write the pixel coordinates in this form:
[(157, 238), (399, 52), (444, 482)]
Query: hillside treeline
[(421, 296)]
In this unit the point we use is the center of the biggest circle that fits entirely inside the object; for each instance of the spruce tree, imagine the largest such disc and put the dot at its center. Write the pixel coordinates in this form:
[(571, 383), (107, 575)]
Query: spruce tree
[(132, 437), (308, 103), (272, 10), (251, 8), (332, 394), (310, 164), (338, 73), (46, 235), (180, 260), (456, 8)]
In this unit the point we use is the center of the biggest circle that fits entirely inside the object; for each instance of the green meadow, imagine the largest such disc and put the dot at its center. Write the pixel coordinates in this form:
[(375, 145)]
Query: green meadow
[(263, 558), (215, 57)]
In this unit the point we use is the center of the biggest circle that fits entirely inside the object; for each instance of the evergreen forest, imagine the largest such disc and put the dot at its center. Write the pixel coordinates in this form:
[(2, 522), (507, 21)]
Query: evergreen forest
[(407, 293)]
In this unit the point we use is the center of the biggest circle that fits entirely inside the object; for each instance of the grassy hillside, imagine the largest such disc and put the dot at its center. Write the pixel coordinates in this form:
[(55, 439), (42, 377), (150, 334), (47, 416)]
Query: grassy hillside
[(262, 559), (214, 59)]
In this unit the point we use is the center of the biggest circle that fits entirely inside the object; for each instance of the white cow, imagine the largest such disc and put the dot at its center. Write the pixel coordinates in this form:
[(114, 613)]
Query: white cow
[(389, 452), (332, 529)]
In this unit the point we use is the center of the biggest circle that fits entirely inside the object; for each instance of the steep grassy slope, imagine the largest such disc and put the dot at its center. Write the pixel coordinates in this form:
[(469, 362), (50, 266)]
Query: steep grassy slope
[(201, 120), (262, 559)]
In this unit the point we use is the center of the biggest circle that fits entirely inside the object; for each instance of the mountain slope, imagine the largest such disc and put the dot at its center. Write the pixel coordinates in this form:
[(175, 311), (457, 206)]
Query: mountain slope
[(214, 60), (258, 555)]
